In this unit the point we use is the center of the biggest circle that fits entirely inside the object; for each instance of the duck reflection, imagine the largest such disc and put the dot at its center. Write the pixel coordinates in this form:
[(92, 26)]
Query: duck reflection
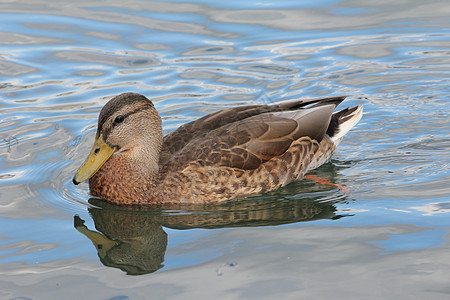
[(134, 240), (137, 246)]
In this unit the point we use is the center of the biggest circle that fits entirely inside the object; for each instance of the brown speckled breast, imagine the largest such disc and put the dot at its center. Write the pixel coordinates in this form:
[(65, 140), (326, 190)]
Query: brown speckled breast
[(119, 182)]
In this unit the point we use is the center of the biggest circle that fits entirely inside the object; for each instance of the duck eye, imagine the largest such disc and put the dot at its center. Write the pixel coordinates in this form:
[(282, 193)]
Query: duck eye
[(119, 119)]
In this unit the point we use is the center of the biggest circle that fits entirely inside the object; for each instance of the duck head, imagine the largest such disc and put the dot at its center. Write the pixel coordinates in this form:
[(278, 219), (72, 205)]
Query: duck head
[(128, 125)]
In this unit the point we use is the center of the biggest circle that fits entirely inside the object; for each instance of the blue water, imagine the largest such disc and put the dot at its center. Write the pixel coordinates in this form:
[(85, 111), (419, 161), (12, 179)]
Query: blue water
[(385, 236)]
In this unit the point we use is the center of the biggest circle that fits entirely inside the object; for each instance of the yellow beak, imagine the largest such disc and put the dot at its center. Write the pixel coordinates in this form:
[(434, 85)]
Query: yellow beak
[(100, 153)]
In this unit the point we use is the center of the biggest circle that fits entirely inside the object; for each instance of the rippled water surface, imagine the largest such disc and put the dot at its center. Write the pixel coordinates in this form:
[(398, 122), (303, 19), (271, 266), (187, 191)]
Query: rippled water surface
[(384, 236)]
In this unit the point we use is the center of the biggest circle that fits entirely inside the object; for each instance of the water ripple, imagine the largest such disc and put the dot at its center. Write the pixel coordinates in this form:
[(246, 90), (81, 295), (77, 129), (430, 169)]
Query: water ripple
[(59, 64)]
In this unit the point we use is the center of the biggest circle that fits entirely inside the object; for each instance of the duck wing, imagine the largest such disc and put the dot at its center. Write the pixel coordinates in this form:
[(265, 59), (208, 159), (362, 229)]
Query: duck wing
[(246, 137)]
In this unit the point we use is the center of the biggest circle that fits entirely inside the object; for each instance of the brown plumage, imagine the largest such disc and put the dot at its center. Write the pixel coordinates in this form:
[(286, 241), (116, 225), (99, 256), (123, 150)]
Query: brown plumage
[(230, 153)]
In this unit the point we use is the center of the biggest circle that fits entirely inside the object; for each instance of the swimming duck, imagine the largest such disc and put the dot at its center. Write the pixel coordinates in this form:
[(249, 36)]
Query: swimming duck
[(232, 153)]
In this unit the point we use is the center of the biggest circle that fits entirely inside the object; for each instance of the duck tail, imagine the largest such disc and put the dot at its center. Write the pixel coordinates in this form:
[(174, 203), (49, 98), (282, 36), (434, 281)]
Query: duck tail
[(295, 104), (342, 121)]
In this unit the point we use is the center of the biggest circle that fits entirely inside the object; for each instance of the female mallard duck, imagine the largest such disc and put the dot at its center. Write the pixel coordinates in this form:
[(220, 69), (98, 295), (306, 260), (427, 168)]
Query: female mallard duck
[(230, 153)]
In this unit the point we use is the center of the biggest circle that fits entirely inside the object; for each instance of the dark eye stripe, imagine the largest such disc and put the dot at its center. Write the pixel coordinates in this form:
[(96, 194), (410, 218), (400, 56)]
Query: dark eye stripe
[(106, 132), (123, 117)]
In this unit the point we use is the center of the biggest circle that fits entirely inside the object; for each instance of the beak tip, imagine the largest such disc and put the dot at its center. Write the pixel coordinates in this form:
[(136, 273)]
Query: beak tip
[(75, 181)]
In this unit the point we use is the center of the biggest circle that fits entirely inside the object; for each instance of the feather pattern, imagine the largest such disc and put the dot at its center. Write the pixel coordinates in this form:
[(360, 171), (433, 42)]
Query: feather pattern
[(231, 153)]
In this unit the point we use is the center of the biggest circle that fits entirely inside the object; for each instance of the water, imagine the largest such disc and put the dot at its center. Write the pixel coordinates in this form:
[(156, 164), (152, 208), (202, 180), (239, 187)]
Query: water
[(385, 236)]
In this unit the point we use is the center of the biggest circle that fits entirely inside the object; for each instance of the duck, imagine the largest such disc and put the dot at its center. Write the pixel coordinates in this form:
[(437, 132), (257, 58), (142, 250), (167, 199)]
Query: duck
[(229, 154)]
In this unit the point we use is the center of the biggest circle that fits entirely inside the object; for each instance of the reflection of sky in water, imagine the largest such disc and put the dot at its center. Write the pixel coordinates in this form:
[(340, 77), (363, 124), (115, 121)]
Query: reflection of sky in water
[(413, 241), (236, 4), (59, 66)]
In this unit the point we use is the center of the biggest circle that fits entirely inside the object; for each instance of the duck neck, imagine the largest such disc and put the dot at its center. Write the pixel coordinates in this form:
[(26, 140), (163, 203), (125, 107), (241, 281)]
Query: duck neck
[(145, 155)]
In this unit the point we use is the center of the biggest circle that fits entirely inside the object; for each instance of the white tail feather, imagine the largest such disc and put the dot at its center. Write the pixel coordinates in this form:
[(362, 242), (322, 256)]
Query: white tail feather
[(345, 126)]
